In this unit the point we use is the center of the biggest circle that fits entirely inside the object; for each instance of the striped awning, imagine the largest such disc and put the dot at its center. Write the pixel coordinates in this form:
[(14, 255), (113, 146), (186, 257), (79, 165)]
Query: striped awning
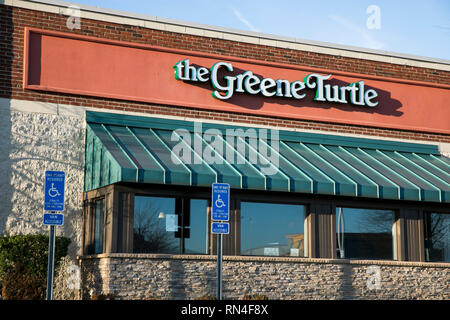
[(123, 148)]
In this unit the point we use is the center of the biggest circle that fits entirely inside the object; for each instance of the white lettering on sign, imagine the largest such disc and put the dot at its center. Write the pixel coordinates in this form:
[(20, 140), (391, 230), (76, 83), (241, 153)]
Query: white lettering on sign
[(246, 82)]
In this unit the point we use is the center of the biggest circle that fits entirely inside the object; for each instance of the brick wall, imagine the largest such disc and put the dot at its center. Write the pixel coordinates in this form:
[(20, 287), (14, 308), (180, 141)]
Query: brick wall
[(192, 277), (13, 20)]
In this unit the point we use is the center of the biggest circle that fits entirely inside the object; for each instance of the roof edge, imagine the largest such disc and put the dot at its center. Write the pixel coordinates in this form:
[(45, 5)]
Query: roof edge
[(172, 25)]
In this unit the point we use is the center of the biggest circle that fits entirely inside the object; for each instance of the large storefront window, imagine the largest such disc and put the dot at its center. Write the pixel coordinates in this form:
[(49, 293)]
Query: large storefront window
[(437, 237), (177, 221), (365, 233), (272, 229), (162, 227), (155, 224)]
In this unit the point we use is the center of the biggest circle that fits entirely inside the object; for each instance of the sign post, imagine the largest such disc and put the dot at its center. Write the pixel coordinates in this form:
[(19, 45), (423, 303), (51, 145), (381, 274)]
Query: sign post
[(220, 205), (53, 202), (219, 266), (51, 262)]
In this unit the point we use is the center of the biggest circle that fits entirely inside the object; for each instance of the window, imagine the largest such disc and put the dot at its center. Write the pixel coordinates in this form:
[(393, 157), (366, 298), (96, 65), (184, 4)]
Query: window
[(437, 237), (155, 219), (272, 229), (155, 224), (98, 226), (163, 226), (365, 233), (196, 242)]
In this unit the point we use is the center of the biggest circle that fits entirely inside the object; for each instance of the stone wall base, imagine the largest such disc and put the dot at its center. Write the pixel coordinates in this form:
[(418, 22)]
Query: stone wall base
[(154, 276)]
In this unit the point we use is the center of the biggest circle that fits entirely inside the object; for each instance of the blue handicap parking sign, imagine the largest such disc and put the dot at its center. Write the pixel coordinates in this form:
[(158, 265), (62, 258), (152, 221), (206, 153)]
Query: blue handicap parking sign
[(220, 201), (54, 190)]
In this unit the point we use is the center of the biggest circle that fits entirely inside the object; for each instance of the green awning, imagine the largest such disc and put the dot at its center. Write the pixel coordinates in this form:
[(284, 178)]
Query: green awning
[(122, 148)]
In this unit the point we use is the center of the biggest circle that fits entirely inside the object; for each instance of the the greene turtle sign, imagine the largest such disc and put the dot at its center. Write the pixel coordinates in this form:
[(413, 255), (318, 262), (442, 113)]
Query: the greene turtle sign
[(246, 82)]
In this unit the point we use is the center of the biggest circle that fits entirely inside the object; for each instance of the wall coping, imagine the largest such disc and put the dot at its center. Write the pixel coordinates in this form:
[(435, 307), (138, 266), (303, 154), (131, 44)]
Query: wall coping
[(152, 256)]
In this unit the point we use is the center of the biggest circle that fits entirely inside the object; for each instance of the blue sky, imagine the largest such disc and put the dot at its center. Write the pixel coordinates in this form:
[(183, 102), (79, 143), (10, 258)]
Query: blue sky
[(410, 27)]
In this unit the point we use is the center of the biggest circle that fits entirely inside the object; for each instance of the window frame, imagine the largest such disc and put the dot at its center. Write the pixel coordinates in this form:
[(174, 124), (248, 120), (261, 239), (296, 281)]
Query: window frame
[(102, 229), (182, 209), (265, 201), (89, 225), (320, 214), (425, 231), (176, 209), (394, 228)]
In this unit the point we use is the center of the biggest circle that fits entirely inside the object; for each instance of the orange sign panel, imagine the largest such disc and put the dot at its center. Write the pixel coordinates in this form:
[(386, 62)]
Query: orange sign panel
[(68, 63)]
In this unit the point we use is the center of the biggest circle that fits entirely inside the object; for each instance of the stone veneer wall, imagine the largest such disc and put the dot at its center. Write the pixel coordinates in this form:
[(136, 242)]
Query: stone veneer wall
[(36, 137), (152, 276)]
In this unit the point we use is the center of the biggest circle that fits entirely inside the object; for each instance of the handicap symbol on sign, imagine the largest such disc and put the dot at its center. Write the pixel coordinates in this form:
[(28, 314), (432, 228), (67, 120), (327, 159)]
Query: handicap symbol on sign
[(219, 202), (53, 192)]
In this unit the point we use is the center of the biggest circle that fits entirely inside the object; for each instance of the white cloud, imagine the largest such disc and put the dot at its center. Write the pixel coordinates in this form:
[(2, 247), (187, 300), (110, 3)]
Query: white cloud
[(366, 39), (244, 21)]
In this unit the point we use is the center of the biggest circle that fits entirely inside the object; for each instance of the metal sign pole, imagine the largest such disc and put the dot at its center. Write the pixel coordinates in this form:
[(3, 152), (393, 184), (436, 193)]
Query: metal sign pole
[(219, 266), (51, 262)]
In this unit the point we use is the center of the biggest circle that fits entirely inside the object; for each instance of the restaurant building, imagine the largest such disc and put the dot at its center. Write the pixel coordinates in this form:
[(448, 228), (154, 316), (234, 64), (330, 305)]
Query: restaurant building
[(338, 158)]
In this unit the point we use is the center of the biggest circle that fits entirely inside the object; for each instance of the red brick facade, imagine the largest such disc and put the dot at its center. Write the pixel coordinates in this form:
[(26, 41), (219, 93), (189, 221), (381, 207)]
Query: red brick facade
[(13, 20)]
